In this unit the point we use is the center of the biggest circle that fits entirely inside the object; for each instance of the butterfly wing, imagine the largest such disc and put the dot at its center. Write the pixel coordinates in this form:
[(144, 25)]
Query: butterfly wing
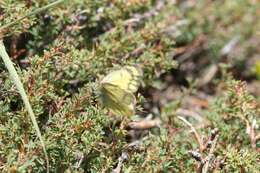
[(117, 100), (127, 78)]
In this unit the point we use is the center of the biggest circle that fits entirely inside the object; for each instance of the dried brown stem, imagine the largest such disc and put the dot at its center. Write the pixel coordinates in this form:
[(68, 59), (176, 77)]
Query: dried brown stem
[(139, 50), (195, 133), (121, 159), (145, 124), (210, 156), (251, 132)]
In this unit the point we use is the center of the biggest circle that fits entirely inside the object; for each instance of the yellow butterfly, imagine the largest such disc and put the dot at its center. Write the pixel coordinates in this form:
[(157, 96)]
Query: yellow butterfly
[(118, 88)]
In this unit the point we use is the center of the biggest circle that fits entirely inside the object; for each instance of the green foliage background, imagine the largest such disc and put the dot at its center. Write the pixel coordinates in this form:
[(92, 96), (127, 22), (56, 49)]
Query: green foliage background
[(69, 48)]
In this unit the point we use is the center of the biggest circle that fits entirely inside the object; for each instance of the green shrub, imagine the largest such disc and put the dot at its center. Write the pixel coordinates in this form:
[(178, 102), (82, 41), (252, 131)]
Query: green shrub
[(62, 53)]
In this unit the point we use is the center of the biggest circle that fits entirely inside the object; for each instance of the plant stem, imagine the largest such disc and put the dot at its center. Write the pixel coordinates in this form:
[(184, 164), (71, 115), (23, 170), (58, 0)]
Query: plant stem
[(14, 76), (196, 134)]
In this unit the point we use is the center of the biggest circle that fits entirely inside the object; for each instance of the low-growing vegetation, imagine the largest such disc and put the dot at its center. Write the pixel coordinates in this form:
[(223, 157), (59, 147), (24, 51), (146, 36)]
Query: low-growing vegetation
[(197, 107)]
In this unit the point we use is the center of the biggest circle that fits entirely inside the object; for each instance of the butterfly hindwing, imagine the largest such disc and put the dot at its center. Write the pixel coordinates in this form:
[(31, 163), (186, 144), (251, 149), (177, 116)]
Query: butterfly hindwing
[(117, 100)]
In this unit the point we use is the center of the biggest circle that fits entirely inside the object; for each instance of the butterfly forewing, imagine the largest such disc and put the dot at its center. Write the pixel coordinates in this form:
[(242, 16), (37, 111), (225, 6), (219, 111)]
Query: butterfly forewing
[(127, 78)]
